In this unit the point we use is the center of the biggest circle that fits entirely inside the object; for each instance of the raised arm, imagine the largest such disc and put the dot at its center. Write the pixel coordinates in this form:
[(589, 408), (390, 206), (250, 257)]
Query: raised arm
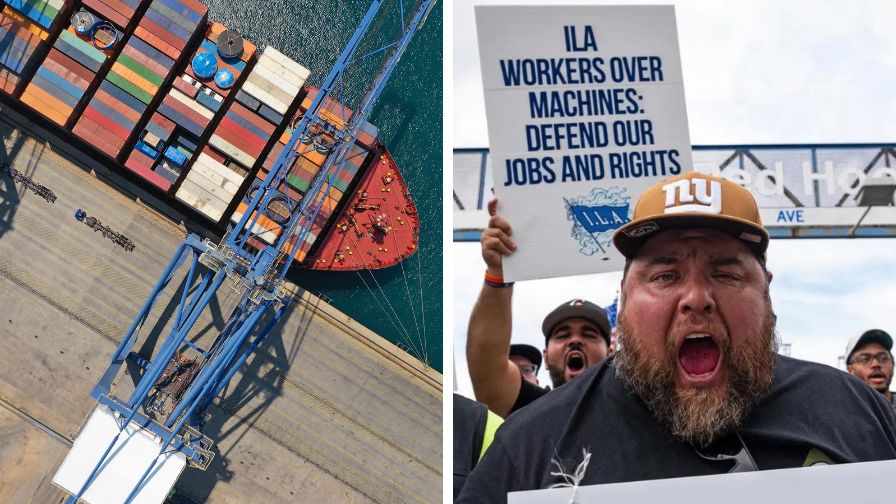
[(496, 380)]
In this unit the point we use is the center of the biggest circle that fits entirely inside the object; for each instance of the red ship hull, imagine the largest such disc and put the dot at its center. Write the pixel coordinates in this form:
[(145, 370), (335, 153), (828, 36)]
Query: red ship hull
[(378, 227)]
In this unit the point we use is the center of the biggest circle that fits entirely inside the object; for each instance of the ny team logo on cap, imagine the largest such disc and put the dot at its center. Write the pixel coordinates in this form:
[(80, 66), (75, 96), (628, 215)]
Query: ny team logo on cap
[(680, 192), (694, 200)]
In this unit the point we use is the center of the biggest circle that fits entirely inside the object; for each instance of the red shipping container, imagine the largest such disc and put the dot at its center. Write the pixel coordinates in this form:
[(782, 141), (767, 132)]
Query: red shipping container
[(249, 137), (158, 43), (107, 12), (253, 118), (106, 123), (186, 111), (111, 102), (214, 154), (151, 64), (185, 88), (238, 141), (151, 176), (71, 65), (87, 131)]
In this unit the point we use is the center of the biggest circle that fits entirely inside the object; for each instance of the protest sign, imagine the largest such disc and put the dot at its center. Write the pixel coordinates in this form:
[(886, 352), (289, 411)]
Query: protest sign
[(585, 109), (823, 484)]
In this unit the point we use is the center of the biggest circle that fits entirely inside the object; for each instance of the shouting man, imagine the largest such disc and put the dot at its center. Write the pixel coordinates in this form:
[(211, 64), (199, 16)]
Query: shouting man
[(577, 333), (697, 387)]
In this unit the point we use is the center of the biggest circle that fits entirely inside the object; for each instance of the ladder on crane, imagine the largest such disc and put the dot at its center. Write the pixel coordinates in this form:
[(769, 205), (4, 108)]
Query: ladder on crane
[(163, 416)]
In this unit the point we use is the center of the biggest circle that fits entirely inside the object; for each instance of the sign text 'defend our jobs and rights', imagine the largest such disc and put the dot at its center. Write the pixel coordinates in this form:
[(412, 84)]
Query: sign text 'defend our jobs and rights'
[(585, 109)]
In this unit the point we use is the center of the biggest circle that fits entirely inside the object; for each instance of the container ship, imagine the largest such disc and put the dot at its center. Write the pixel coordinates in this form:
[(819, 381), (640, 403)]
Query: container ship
[(197, 114)]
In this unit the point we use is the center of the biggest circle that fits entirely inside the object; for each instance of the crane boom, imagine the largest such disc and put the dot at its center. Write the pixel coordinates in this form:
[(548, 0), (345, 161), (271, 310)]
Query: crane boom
[(170, 399)]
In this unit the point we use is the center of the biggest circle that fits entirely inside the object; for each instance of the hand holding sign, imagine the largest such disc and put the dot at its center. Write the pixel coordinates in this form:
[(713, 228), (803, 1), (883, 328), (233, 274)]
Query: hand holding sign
[(495, 241)]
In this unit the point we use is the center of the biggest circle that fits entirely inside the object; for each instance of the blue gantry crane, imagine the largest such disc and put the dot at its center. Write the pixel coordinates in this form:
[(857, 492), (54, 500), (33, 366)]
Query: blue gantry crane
[(170, 400)]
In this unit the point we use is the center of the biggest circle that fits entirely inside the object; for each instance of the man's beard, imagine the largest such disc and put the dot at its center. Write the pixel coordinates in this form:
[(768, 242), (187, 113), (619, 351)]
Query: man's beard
[(699, 415), (558, 376)]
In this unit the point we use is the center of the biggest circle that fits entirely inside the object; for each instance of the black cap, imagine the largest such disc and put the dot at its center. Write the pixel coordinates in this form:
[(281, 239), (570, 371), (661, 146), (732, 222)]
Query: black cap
[(577, 308), (869, 336), (528, 352)]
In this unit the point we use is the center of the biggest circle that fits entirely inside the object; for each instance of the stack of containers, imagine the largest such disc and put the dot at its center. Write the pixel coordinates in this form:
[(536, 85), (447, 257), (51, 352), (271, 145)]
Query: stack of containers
[(211, 183), (67, 72), (306, 166), (42, 12), (330, 202), (309, 163), (23, 27), (136, 76), (339, 183), (240, 138), (118, 12), (190, 105)]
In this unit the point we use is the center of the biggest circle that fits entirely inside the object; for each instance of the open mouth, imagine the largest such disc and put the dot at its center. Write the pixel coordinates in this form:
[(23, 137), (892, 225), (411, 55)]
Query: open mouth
[(575, 362), (877, 376), (699, 355)]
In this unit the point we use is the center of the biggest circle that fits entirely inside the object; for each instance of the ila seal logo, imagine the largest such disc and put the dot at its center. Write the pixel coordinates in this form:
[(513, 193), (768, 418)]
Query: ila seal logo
[(595, 216)]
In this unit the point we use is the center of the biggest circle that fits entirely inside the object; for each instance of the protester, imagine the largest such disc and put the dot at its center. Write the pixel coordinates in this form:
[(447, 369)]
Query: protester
[(697, 387), (576, 332), (869, 357), (474, 430), (527, 359)]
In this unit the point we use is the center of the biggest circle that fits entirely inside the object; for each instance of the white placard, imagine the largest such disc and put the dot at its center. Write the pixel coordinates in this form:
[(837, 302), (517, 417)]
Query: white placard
[(833, 484), (585, 109)]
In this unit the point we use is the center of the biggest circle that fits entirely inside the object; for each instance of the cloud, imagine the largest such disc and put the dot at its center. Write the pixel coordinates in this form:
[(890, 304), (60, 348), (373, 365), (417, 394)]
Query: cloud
[(754, 72)]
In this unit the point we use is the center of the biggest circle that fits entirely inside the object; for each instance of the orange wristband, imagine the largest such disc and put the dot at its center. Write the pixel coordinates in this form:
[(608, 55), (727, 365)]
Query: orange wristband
[(496, 282)]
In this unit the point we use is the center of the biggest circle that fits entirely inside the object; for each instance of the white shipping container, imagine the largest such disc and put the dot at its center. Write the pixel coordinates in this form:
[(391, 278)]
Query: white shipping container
[(58, 4), (287, 62), (278, 75), (201, 200), (209, 163), (228, 149), (271, 89), (264, 97), (194, 106), (222, 193)]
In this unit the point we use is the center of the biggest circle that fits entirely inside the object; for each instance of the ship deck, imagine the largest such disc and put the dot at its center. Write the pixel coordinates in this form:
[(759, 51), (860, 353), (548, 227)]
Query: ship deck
[(325, 410), (378, 228)]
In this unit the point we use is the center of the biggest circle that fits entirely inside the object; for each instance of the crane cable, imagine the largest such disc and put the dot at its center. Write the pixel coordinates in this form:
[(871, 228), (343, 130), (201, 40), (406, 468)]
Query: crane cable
[(422, 311), (407, 290), (403, 332)]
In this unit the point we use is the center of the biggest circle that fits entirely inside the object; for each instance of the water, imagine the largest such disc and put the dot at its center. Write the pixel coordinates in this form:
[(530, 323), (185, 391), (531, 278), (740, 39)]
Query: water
[(409, 115)]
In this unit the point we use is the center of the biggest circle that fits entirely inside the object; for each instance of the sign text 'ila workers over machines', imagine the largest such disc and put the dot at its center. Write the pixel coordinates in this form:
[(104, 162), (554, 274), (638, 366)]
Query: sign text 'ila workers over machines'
[(585, 109)]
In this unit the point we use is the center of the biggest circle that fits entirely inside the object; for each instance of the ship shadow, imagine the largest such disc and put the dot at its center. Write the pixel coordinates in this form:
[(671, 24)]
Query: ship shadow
[(234, 415), (392, 102)]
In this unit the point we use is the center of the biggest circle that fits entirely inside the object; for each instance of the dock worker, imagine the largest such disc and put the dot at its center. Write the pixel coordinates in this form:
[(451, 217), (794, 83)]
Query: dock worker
[(577, 333), (869, 357), (696, 387)]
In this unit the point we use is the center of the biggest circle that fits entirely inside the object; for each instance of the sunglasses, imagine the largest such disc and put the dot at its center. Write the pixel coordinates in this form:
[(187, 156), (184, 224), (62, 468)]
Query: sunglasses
[(743, 461)]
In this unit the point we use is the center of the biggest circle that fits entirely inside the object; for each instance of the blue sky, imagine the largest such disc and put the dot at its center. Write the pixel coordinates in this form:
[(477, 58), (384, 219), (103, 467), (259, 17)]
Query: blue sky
[(754, 72)]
